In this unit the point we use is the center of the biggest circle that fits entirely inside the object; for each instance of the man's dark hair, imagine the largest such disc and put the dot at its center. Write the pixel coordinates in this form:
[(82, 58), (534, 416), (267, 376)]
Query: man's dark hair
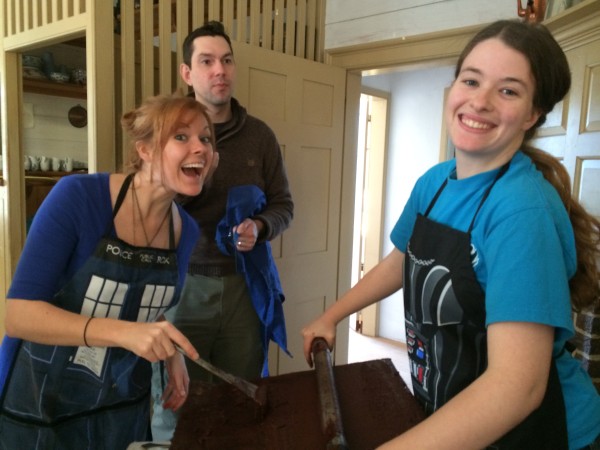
[(212, 28)]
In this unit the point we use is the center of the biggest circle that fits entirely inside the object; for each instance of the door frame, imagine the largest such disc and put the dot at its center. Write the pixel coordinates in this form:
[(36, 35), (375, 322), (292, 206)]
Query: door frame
[(373, 151)]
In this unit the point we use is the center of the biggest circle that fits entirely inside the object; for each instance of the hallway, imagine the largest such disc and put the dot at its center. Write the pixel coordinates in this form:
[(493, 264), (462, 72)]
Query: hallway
[(366, 348)]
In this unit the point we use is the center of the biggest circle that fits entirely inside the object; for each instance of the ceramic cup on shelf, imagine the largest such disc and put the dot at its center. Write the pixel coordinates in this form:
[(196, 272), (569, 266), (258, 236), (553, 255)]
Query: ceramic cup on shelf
[(56, 163), (68, 164), (44, 163), (26, 163), (34, 163)]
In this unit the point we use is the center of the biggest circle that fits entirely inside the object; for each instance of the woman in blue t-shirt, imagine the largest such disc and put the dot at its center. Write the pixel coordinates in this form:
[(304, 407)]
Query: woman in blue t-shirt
[(493, 254), (105, 257)]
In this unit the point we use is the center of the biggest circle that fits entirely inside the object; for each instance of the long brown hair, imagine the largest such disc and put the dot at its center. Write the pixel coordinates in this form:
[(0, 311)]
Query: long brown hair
[(552, 75)]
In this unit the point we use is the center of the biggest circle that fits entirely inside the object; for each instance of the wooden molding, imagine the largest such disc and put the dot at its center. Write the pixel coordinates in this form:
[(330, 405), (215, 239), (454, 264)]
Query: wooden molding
[(410, 51)]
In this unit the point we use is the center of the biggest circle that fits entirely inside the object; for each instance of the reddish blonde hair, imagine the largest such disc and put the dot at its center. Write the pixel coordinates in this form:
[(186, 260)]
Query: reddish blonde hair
[(156, 120)]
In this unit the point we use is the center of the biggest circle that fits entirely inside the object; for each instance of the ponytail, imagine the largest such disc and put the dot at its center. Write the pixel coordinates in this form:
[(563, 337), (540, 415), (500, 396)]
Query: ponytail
[(585, 284)]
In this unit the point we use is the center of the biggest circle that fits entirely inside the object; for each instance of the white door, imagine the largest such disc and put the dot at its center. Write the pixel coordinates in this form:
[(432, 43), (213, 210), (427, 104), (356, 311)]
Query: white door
[(582, 156), (303, 102)]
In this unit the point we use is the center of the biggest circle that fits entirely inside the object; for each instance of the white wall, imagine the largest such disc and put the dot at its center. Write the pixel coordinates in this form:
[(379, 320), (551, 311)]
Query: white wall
[(350, 22), (47, 131), (414, 144)]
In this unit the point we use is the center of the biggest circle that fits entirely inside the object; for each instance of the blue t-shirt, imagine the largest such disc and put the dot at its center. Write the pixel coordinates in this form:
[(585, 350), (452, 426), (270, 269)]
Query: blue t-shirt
[(65, 231), (524, 255)]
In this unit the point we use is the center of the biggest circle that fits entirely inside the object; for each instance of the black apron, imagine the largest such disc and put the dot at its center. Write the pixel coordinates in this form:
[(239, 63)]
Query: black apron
[(445, 328), (60, 397)]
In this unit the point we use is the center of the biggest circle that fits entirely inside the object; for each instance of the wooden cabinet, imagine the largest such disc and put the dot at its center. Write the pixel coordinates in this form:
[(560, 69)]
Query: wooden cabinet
[(39, 183), (36, 190), (70, 55)]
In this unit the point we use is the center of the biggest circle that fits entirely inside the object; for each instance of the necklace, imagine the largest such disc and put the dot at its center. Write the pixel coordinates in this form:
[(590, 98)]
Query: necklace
[(139, 210)]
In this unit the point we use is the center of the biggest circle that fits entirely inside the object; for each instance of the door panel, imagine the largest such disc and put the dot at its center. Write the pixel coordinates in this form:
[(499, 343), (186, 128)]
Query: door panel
[(583, 153), (303, 102)]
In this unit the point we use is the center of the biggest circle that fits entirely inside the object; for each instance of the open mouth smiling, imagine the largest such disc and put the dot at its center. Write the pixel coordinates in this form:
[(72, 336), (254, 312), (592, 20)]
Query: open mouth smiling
[(193, 169), (475, 124)]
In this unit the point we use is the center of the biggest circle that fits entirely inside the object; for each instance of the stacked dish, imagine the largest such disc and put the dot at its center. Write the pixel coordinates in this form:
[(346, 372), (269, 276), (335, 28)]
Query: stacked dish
[(32, 67), (79, 76), (32, 61), (59, 77)]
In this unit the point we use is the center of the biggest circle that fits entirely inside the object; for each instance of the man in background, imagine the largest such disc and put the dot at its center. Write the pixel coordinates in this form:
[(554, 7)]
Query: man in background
[(225, 314)]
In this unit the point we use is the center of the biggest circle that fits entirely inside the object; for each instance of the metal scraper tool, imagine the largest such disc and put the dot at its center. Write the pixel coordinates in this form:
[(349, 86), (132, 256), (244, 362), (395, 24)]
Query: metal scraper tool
[(256, 393)]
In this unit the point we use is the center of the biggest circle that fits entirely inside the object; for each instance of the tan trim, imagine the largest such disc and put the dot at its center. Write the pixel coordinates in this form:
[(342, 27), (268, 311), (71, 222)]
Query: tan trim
[(409, 51), (578, 25)]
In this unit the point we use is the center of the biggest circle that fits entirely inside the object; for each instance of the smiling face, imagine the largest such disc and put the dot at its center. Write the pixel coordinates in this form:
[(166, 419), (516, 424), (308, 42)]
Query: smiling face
[(212, 71), (490, 106), (187, 156)]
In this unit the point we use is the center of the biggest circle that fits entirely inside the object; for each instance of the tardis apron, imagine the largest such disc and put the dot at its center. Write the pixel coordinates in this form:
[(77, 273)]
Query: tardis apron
[(446, 334), (59, 397)]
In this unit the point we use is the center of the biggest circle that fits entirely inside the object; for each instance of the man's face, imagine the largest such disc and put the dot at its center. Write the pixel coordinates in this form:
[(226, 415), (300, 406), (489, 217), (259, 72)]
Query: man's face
[(212, 71)]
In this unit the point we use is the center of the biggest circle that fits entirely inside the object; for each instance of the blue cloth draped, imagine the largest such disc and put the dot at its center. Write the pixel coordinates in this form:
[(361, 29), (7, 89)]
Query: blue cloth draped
[(257, 266)]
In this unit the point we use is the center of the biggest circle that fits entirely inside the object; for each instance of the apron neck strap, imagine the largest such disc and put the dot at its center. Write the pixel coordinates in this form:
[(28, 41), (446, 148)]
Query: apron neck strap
[(121, 198), (499, 175), (122, 193)]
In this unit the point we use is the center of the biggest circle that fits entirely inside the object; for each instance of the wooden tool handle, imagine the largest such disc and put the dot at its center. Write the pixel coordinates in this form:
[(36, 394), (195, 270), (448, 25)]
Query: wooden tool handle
[(331, 417)]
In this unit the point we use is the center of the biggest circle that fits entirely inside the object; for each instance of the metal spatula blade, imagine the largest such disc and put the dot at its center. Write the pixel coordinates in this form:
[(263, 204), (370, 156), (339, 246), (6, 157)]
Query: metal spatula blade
[(251, 390)]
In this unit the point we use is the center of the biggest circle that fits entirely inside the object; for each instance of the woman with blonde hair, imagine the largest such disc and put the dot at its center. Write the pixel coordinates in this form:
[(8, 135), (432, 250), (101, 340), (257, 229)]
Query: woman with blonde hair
[(105, 257)]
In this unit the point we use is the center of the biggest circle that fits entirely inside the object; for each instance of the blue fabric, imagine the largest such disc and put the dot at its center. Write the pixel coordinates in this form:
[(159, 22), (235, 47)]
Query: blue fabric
[(524, 255), (257, 265)]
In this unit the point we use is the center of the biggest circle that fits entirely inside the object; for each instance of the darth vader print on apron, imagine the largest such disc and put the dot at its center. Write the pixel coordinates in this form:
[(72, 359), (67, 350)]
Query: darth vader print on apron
[(60, 397), (445, 328)]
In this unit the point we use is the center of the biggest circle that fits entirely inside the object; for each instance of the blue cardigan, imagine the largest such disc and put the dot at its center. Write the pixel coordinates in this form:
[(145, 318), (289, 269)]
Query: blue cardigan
[(73, 218)]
